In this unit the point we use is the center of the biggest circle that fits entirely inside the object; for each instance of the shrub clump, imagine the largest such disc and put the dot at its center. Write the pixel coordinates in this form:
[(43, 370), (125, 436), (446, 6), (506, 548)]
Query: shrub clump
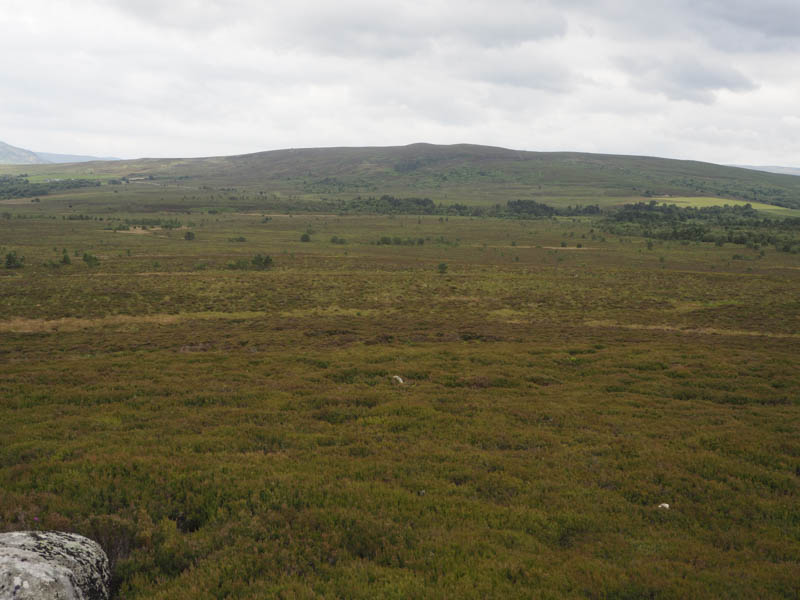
[(14, 261), (258, 263)]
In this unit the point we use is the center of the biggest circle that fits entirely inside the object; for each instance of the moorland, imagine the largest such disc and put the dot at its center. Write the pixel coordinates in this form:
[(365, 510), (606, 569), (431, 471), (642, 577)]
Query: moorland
[(198, 361)]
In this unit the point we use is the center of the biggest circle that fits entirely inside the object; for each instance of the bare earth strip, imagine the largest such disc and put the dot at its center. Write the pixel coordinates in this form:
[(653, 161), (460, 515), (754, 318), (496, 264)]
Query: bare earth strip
[(701, 330), (19, 325), (138, 231), (568, 248), (16, 201), (539, 247)]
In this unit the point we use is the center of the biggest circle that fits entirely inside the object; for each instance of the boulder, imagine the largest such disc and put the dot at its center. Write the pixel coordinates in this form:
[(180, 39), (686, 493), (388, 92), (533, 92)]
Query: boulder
[(50, 565)]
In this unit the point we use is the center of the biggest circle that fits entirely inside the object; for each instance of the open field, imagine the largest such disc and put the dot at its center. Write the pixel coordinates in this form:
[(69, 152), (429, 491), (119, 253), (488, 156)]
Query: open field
[(227, 430), (705, 201)]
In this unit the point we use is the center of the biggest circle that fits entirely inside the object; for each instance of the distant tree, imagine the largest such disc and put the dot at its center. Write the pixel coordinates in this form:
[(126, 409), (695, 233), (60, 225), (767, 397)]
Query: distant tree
[(65, 260), (90, 259), (261, 262), (442, 268), (305, 238), (13, 261), (189, 236)]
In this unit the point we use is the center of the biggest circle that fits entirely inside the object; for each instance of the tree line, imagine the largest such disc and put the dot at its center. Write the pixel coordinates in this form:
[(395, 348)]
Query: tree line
[(740, 224), (18, 186)]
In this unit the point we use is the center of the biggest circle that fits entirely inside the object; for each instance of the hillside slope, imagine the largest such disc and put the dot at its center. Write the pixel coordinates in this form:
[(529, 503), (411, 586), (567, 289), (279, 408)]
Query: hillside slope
[(774, 169), (50, 157), (11, 155), (457, 173)]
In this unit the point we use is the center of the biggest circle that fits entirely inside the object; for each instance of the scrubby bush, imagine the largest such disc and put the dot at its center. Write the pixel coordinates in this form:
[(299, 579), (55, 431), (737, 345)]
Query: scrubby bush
[(241, 264), (13, 260), (261, 262)]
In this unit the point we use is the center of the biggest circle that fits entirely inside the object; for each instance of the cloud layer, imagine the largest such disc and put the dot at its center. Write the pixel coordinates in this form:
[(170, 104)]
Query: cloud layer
[(714, 80)]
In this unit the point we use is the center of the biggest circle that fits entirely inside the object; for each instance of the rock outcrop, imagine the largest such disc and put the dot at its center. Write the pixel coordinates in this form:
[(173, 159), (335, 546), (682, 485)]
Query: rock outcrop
[(50, 565)]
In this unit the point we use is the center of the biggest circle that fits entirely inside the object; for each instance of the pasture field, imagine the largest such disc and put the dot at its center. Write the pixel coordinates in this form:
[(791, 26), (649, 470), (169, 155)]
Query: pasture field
[(706, 201), (231, 429)]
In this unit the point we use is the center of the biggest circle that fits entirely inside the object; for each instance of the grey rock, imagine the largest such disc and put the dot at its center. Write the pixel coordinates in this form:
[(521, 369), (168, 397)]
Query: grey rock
[(51, 565)]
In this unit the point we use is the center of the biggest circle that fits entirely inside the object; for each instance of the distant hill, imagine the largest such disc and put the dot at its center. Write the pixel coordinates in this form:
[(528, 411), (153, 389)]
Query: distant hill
[(11, 155), (461, 173), (70, 158), (473, 174), (774, 169)]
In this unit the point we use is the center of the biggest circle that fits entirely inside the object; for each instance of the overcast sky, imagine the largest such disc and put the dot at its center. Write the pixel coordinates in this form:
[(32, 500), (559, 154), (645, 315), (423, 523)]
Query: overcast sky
[(714, 80)]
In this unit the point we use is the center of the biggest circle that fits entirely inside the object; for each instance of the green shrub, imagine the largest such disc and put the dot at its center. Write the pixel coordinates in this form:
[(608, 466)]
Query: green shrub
[(13, 260), (241, 264), (261, 262)]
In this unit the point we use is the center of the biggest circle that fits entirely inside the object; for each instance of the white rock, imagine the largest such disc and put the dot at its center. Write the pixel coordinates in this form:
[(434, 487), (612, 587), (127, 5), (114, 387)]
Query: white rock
[(50, 565), (396, 379), (663, 505)]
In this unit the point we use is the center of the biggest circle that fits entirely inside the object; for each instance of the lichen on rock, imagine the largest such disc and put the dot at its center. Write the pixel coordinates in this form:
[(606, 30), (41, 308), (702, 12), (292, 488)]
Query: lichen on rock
[(50, 565)]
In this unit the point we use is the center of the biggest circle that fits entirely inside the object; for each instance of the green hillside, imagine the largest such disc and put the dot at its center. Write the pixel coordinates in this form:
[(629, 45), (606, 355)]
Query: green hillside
[(469, 174)]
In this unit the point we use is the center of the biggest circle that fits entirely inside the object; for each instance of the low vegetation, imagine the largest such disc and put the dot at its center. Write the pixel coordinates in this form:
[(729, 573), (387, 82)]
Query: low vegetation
[(223, 415)]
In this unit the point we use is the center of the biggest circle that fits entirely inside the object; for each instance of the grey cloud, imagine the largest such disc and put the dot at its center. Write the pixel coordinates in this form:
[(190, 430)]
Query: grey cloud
[(186, 15), (729, 25), (779, 18), (504, 23), (422, 97), (399, 30), (685, 79), (357, 27), (191, 77), (521, 67), (536, 77)]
